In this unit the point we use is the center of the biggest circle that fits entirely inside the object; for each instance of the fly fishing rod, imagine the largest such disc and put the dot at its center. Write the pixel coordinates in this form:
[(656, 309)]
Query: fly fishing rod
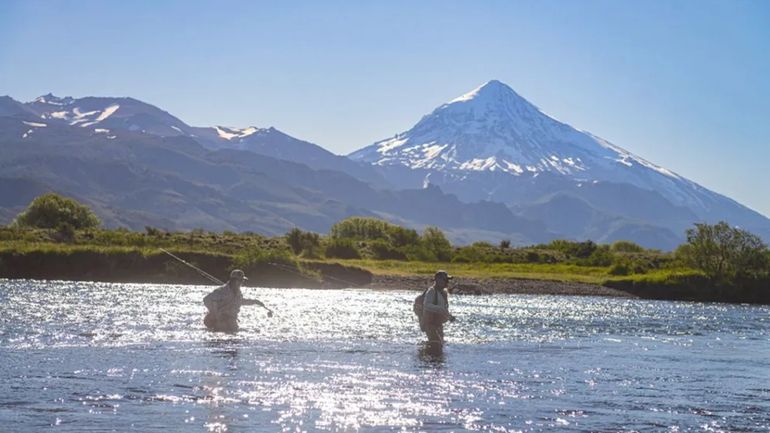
[(203, 273), (212, 278)]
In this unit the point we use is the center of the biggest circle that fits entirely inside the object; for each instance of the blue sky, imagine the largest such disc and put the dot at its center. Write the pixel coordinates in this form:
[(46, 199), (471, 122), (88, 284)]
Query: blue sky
[(685, 84)]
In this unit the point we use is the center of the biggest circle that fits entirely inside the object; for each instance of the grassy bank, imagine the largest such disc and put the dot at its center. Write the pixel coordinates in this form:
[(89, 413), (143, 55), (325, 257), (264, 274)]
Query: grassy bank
[(244, 250), (123, 256), (536, 271)]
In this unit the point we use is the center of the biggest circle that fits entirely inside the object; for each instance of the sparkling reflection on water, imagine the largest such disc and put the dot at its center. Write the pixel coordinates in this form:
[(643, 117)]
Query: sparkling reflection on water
[(128, 357)]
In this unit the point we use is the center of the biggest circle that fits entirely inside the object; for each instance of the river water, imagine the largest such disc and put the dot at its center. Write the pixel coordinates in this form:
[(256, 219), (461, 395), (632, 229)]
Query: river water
[(80, 357)]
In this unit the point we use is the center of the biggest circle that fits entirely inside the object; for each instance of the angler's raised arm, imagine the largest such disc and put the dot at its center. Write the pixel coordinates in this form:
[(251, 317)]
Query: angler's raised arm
[(253, 302)]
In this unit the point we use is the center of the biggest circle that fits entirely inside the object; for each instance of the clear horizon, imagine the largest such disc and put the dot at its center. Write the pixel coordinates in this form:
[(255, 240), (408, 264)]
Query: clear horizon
[(680, 84)]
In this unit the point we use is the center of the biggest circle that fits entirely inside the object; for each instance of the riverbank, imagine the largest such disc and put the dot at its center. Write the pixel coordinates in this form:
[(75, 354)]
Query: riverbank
[(136, 265), (121, 265)]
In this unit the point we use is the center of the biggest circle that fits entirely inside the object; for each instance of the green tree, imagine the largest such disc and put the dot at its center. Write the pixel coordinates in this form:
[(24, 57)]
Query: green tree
[(300, 241), (294, 239), (626, 247), (434, 241), (580, 250), (401, 237), (51, 211), (360, 228), (724, 253), (341, 249)]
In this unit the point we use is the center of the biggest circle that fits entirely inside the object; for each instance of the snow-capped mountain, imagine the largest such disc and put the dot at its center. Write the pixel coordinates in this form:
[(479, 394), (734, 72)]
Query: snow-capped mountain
[(113, 115), (503, 169), (127, 114), (491, 143), (139, 178), (494, 129)]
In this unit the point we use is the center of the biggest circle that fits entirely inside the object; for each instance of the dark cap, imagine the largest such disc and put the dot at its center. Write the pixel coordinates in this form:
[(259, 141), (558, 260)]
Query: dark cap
[(237, 274), (442, 274)]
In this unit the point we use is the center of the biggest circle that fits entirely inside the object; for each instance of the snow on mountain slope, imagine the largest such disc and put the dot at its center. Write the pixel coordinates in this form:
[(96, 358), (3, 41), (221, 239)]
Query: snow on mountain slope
[(108, 113), (494, 130), (229, 134)]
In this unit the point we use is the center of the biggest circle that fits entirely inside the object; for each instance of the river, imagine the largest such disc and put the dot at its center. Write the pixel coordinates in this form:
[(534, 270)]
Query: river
[(81, 356)]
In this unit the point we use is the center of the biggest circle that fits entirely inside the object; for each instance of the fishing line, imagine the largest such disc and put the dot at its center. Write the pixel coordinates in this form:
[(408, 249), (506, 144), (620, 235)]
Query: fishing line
[(199, 270)]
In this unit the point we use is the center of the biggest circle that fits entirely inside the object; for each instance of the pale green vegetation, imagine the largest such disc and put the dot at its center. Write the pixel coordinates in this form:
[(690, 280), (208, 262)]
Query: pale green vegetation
[(718, 254)]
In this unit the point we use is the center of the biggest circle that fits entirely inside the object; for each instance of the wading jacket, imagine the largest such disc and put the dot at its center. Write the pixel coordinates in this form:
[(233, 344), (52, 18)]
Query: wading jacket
[(224, 303), (435, 308)]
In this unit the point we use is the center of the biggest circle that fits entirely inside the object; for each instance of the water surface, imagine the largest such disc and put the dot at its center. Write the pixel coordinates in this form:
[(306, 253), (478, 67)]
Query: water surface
[(80, 357)]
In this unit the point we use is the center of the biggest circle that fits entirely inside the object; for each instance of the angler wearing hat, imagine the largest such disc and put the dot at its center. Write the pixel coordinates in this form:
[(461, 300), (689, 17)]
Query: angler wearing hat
[(432, 308), (225, 303)]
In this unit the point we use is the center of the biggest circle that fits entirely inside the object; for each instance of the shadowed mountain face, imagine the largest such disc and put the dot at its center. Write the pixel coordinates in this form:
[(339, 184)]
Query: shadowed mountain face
[(491, 143), (274, 143), (485, 166)]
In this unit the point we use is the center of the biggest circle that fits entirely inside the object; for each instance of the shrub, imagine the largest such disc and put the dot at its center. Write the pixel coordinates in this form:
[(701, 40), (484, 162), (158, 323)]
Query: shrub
[(724, 253), (65, 232), (579, 250), (626, 247), (312, 250), (401, 237), (382, 250), (532, 257), (600, 256), (620, 268), (341, 249), (306, 243), (152, 231), (419, 253), (433, 240), (52, 210), (468, 254)]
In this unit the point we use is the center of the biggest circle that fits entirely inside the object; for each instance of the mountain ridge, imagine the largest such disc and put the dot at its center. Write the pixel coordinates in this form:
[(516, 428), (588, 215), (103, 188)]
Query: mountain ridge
[(514, 171), (111, 115), (134, 178)]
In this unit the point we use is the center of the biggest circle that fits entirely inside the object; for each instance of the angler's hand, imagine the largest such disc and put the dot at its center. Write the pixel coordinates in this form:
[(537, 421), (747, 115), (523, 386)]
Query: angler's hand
[(451, 318)]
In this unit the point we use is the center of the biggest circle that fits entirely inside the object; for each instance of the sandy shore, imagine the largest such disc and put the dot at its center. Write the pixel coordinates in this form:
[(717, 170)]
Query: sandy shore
[(497, 285)]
